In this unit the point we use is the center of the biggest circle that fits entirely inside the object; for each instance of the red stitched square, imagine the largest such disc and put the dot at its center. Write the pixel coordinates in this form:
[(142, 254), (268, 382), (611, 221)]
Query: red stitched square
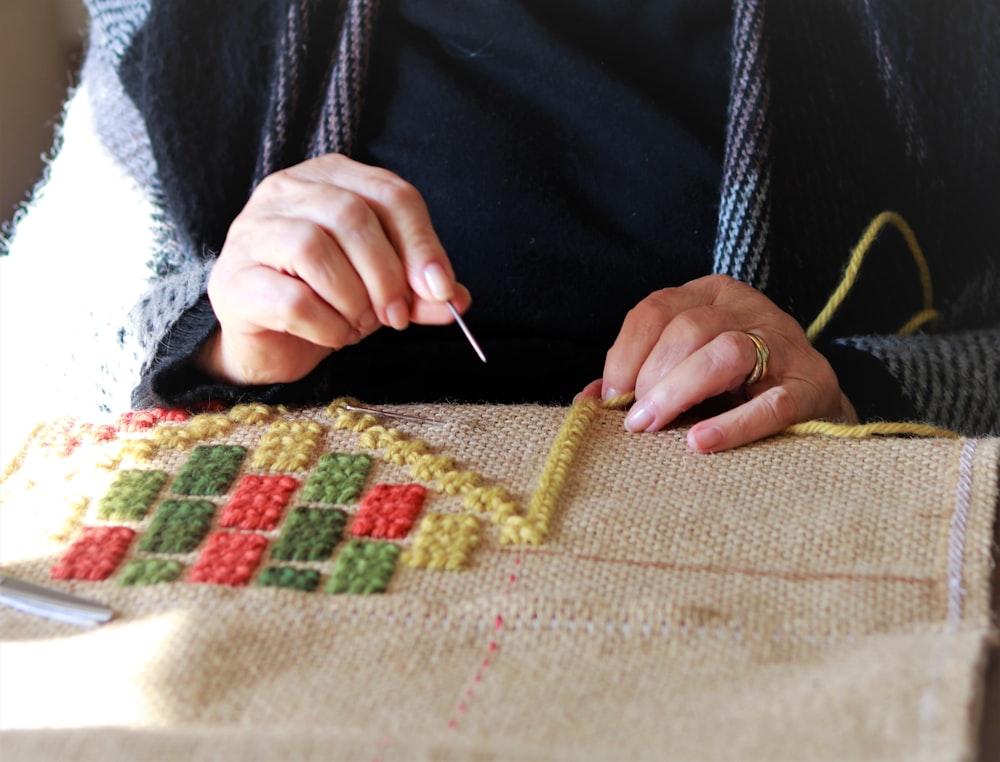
[(258, 502), (95, 554), (229, 558), (388, 511)]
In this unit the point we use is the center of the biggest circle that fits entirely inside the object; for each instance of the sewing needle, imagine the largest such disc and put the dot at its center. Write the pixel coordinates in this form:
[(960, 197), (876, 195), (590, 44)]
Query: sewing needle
[(391, 414), (466, 331)]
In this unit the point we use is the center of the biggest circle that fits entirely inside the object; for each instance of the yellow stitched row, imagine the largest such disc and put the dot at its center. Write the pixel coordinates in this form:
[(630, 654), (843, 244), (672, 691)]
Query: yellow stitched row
[(424, 464)]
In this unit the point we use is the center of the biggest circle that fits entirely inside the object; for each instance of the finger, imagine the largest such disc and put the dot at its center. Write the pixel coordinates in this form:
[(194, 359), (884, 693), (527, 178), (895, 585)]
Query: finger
[(351, 222), (402, 213), (269, 300), (641, 332), (437, 312), (591, 390), (769, 412), (685, 334), (719, 366), (303, 250)]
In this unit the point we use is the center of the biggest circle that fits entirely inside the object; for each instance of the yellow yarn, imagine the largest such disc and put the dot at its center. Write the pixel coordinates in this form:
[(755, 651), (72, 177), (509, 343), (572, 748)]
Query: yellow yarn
[(533, 527), (926, 315), (440, 471), (252, 413), (854, 267), (443, 541), (289, 446), (200, 427), (862, 430)]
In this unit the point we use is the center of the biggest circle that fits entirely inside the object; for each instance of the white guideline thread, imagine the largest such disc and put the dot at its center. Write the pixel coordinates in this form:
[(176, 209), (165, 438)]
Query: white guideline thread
[(956, 536), (929, 705)]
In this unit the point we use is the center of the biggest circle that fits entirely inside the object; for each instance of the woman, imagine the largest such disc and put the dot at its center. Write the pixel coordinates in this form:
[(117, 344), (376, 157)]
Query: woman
[(658, 197)]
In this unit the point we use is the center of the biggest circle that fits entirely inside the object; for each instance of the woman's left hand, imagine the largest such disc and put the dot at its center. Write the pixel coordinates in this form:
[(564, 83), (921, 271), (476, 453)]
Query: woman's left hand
[(682, 346)]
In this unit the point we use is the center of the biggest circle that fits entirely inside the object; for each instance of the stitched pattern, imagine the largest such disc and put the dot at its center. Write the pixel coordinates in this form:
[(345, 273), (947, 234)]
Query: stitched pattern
[(253, 413), (289, 446), (338, 478), (143, 420), (388, 511), (149, 571), (208, 485), (305, 580), (210, 470), (425, 464), (95, 554), (363, 567), (310, 534), (131, 495), (258, 502), (199, 427), (229, 558), (179, 526), (443, 541)]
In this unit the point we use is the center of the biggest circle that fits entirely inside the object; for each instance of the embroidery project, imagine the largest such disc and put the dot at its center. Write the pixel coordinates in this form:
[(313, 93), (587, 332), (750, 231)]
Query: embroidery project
[(489, 586)]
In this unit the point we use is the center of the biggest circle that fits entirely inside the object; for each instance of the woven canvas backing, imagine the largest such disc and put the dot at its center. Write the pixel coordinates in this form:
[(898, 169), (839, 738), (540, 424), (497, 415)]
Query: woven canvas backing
[(801, 597)]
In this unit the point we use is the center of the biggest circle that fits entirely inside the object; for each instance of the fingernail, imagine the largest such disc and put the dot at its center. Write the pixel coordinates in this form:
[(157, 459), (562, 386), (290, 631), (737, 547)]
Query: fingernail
[(398, 314), (438, 282), (705, 439), (640, 417), (610, 393)]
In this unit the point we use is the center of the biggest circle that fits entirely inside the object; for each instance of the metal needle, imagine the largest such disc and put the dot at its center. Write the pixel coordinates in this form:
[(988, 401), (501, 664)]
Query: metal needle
[(466, 331), (390, 414)]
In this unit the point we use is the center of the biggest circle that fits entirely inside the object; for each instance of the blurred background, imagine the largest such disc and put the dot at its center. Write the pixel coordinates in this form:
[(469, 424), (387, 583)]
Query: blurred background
[(41, 43)]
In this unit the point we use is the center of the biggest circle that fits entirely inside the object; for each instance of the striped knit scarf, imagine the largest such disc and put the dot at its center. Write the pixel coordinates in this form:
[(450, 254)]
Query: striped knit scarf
[(741, 240)]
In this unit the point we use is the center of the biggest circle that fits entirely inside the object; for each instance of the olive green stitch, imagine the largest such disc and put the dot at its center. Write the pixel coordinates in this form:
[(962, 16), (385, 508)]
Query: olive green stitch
[(337, 478), (149, 571), (306, 580), (131, 495), (178, 526), (363, 567), (210, 470), (310, 534)]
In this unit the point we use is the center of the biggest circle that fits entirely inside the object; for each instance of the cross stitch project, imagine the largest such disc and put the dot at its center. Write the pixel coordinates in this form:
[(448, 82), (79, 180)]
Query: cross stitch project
[(292, 503), (320, 582)]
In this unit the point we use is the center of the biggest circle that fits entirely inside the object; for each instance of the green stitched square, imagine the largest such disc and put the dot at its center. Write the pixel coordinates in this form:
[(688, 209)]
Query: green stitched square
[(178, 526), (149, 571), (310, 534), (210, 470), (306, 580), (131, 495), (363, 567), (338, 478)]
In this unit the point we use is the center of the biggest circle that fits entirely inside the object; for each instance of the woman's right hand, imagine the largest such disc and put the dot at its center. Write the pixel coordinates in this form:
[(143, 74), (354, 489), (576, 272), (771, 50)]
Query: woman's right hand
[(323, 254)]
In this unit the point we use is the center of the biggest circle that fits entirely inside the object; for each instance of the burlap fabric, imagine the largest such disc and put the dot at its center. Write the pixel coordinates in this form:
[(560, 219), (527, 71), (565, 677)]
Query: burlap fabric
[(799, 598)]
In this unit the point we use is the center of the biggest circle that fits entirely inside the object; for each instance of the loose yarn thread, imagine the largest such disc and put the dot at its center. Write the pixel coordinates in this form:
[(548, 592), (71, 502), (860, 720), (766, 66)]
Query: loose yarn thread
[(926, 315)]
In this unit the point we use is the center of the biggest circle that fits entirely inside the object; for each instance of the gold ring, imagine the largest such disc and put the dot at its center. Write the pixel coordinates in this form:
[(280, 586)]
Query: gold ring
[(760, 364)]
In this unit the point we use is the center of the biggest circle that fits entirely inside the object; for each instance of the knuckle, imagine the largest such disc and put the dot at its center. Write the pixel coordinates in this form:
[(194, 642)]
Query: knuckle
[(276, 185), (393, 191), (726, 351), (650, 313), (781, 405), (304, 245), (349, 213)]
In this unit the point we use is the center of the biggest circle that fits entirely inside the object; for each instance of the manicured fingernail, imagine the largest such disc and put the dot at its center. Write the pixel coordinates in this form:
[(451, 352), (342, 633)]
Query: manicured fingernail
[(438, 282), (705, 439), (640, 417), (398, 314), (610, 393)]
